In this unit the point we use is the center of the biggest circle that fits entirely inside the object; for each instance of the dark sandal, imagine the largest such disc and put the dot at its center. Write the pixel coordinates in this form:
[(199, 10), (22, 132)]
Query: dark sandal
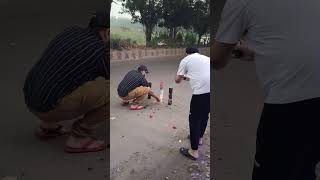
[(186, 153), (85, 147), (45, 134)]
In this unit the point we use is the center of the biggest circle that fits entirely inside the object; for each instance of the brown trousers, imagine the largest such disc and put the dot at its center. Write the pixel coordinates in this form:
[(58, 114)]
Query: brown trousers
[(89, 101), (138, 94)]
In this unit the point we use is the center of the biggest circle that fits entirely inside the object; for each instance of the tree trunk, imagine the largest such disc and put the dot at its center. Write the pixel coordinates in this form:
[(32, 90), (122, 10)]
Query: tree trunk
[(174, 33), (199, 40), (171, 33), (148, 33)]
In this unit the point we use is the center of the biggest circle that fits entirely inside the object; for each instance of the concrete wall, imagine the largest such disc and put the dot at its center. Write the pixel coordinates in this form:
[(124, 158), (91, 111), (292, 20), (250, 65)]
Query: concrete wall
[(138, 54)]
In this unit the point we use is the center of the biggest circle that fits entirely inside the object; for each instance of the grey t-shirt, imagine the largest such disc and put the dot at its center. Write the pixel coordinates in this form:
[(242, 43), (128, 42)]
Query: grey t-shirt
[(285, 37)]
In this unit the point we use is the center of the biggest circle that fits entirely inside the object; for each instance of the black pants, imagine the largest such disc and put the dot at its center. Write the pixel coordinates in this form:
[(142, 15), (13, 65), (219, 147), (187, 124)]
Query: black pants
[(288, 141), (198, 118)]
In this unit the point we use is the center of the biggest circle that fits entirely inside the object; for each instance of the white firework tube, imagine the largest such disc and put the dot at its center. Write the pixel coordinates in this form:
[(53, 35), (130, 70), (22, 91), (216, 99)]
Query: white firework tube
[(161, 95)]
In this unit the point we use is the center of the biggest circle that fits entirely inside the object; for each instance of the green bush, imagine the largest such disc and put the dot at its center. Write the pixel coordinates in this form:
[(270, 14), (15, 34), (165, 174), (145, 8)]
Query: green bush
[(190, 39), (179, 39)]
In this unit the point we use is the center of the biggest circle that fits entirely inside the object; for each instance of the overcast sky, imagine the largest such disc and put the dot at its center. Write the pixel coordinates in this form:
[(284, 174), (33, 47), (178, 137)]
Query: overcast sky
[(115, 11)]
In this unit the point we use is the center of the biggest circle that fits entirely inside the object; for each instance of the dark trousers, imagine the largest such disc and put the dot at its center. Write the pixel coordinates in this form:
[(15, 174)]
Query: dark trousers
[(198, 118), (288, 141)]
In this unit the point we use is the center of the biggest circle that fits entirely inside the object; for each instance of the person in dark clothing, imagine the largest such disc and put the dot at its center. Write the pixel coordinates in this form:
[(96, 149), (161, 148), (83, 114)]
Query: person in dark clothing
[(71, 81), (135, 87), (195, 68)]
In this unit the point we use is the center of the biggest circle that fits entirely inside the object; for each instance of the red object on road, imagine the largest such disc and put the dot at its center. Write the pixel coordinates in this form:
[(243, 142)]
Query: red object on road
[(174, 127)]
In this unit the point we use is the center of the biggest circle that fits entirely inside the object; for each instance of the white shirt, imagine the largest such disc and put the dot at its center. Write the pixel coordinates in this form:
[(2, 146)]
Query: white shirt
[(285, 37), (196, 67)]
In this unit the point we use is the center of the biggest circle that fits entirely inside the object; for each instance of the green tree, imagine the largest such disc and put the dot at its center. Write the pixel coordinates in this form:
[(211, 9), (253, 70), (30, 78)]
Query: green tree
[(176, 14), (146, 12), (201, 18)]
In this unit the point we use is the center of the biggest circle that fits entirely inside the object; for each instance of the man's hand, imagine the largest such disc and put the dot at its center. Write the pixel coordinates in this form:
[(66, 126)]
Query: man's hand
[(154, 96), (179, 78), (186, 78), (157, 98), (246, 54)]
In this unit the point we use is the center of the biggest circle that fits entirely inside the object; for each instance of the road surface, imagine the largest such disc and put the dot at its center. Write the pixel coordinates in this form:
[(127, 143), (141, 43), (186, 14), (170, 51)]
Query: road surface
[(144, 147), (237, 104)]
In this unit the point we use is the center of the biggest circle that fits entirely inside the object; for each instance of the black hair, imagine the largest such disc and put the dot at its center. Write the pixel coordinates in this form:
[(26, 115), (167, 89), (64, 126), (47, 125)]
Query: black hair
[(100, 20), (191, 50)]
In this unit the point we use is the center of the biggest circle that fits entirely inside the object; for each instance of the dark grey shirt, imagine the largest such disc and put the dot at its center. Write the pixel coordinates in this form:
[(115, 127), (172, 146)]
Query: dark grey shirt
[(73, 57), (131, 80)]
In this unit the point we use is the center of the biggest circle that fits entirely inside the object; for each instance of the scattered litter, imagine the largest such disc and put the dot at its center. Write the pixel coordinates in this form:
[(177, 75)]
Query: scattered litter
[(174, 127), (112, 118), (180, 141), (151, 115), (167, 177), (208, 175), (118, 170), (195, 166), (208, 156), (174, 172), (122, 136)]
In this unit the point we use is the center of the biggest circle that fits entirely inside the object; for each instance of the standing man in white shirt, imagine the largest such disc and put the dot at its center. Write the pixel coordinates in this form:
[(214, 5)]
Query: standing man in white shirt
[(284, 42), (195, 68)]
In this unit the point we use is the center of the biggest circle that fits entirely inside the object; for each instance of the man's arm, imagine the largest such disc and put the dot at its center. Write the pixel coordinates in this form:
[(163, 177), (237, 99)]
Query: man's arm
[(233, 26), (246, 53), (179, 78), (151, 93), (181, 72), (221, 54)]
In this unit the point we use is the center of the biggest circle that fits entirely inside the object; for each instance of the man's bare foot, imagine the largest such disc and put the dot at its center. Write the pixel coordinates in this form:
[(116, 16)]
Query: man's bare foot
[(125, 103), (84, 144), (194, 153)]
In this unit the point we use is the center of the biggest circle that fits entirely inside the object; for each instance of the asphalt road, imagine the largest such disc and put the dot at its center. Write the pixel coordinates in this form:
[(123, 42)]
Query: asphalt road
[(236, 106), (148, 145)]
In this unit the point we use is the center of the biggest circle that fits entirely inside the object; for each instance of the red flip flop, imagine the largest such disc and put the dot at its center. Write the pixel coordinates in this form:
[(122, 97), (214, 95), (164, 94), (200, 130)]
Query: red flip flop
[(136, 107), (85, 148)]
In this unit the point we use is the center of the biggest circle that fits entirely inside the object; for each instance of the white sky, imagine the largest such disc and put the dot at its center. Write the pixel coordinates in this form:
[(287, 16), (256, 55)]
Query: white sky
[(116, 9)]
